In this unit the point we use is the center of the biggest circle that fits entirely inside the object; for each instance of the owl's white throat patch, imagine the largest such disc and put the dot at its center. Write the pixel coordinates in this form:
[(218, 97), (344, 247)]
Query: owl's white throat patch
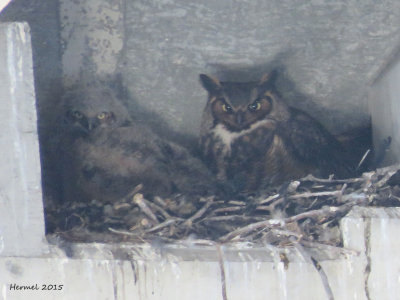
[(228, 137)]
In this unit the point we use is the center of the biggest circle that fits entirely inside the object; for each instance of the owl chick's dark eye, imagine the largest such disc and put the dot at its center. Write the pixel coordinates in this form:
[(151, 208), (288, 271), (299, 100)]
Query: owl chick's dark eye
[(77, 114)]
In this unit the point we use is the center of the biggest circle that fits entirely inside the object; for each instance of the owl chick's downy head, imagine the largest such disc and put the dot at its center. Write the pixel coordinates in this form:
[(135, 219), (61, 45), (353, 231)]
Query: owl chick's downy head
[(239, 105), (92, 107)]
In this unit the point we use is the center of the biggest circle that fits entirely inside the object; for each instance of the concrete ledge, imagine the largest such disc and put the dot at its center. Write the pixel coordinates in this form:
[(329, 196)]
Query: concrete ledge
[(369, 270), (21, 213), (3, 4)]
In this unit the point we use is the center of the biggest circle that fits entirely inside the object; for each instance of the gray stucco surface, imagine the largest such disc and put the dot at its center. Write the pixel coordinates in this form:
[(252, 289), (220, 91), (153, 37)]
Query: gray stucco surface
[(329, 50)]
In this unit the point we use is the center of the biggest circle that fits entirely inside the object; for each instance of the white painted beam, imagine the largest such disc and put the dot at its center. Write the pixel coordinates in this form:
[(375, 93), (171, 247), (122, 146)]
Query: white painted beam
[(21, 208), (3, 4)]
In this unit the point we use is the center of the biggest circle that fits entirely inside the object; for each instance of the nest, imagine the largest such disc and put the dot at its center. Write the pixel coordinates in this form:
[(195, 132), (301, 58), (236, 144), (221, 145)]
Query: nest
[(307, 211)]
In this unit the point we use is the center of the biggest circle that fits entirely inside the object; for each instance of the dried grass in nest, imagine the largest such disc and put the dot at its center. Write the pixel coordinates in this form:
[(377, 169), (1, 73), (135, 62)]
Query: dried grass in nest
[(307, 211)]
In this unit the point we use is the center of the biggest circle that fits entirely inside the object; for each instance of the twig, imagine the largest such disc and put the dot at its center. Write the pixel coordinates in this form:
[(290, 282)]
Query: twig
[(340, 195), (158, 208), (122, 232), (140, 201), (310, 177), (363, 159), (162, 225), (384, 180), (199, 213), (227, 209), (288, 233), (317, 194), (249, 228), (237, 218), (160, 202), (325, 211), (133, 192), (269, 199), (271, 206)]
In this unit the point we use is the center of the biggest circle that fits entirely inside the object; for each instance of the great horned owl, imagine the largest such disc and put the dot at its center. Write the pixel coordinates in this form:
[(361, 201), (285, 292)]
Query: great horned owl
[(251, 137), (106, 154)]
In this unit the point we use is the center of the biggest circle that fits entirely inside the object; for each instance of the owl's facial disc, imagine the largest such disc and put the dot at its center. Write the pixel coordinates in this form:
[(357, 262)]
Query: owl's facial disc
[(241, 118)]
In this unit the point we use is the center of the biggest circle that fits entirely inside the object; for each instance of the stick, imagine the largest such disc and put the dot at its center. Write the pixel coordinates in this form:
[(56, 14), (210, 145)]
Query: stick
[(140, 201), (158, 208), (310, 177), (325, 212), (316, 194), (162, 225), (227, 209), (123, 232), (199, 213), (249, 228), (237, 218), (269, 199)]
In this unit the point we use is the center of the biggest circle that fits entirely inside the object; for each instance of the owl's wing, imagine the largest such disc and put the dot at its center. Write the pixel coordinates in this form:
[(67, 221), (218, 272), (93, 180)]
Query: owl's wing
[(312, 144)]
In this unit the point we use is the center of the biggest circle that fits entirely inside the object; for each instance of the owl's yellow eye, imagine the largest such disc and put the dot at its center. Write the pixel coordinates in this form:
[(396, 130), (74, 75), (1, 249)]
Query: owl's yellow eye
[(227, 108), (102, 116), (255, 106)]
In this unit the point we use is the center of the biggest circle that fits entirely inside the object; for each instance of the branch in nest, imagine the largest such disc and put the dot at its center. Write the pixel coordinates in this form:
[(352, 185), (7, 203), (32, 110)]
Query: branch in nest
[(158, 208), (139, 200), (316, 194), (310, 177), (163, 225), (122, 232), (236, 218), (199, 213), (227, 209), (270, 199), (254, 226), (329, 211), (320, 214)]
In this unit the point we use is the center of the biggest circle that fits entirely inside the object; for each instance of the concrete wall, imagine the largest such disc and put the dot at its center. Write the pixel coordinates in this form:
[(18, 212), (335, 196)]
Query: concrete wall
[(43, 19), (92, 38), (21, 213), (330, 50), (384, 101)]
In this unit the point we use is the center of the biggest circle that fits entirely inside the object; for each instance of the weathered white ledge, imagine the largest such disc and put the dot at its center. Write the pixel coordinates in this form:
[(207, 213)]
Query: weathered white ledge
[(21, 209), (97, 271)]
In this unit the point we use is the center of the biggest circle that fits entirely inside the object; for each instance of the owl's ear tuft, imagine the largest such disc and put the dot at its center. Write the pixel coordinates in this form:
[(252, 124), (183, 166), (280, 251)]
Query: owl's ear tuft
[(269, 79), (211, 84)]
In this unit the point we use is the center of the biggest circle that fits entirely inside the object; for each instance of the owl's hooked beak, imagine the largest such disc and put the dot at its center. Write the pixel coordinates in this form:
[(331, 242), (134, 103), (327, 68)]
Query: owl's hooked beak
[(239, 118), (92, 124)]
